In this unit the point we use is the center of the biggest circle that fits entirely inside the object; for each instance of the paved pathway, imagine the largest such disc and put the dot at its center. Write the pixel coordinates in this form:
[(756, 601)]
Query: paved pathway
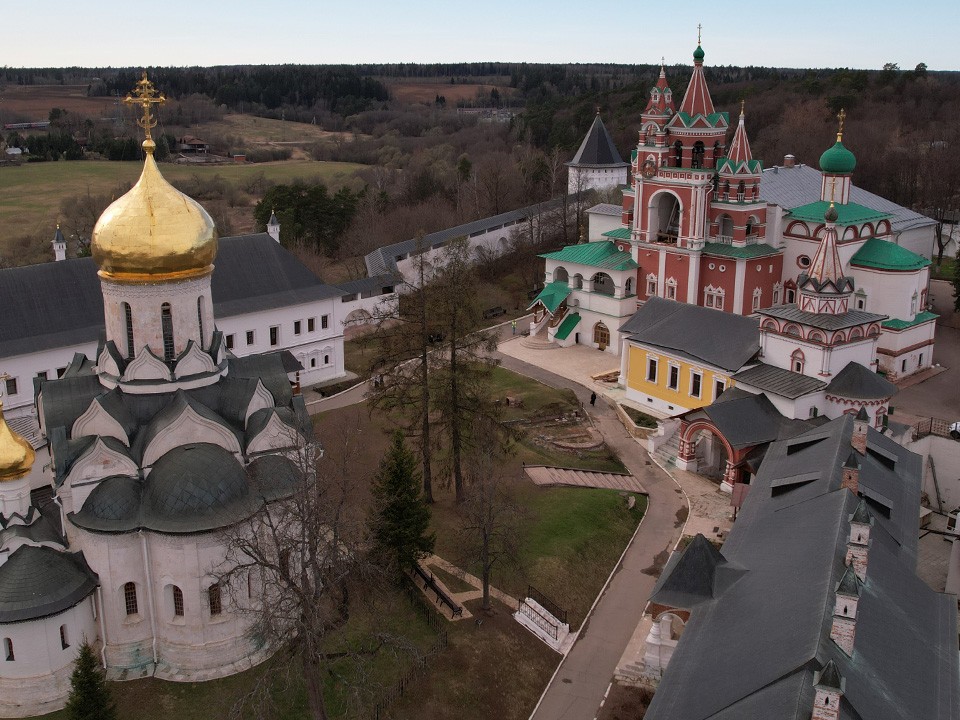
[(545, 475)]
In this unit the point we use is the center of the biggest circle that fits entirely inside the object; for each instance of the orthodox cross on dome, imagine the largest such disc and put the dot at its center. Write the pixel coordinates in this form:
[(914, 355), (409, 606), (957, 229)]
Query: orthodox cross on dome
[(699, 26), (742, 103), (145, 95), (842, 115)]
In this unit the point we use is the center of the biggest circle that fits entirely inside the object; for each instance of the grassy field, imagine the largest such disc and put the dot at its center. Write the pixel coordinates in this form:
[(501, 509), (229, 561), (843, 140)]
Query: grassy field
[(426, 90), (32, 192)]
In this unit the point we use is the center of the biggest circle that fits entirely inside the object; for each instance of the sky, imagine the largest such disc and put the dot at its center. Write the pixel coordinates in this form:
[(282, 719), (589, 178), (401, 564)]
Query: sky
[(816, 33)]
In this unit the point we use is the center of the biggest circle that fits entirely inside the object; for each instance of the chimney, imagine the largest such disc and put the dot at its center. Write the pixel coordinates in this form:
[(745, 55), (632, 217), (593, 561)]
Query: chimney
[(859, 539), (845, 611), (851, 473), (859, 438), (828, 686), (59, 245), (789, 161)]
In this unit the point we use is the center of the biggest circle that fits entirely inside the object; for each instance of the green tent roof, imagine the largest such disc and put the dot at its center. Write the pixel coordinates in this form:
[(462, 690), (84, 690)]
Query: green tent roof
[(849, 214), (603, 254), (747, 252), (885, 255), (726, 165), (714, 119), (552, 295), (568, 324), (922, 317), (620, 233)]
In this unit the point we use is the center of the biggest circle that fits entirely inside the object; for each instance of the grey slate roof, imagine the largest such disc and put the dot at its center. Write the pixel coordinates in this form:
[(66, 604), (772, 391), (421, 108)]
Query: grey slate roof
[(383, 261), (57, 304), (606, 209), (746, 419), (370, 286), (39, 581), (859, 383), (757, 648), (597, 148), (778, 381), (823, 321), (724, 340), (799, 185)]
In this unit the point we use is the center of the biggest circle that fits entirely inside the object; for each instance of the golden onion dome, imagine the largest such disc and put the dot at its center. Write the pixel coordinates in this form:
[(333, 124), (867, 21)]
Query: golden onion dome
[(16, 454), (154, 232)]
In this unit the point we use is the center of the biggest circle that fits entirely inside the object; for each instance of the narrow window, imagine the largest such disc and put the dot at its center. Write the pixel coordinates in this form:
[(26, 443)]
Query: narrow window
[(177, 602), (677, 154), (213, 595), (313, 362), (130, 598), (249, 337), (324, 322), (166, 325), (200, 317), (674, 377), (311, 324), (651, 370), (11, 386), (64, 642), (8, 649), (696, 379), (326, 359), (61, 372), (128, 320), (671, 291), (274, 336), (296, 327), (230, 341), (42, 374), (718, 387)]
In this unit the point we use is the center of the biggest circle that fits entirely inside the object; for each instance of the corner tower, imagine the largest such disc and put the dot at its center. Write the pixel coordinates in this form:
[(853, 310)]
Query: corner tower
[(155, 249)]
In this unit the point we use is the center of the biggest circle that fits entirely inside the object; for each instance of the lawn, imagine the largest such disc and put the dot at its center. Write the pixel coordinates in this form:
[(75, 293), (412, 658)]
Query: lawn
[(32, 192), (946, 269)]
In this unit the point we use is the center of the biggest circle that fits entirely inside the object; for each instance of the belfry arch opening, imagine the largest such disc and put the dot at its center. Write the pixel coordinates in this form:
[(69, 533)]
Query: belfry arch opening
[(666, 216)]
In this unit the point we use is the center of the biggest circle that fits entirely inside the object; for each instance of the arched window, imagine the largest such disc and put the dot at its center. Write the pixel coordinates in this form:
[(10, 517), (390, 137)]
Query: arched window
[(677, 154), (578, 281), (601, 335), (326, 359), (726, 189), (628, 287), (603, 284), (166, 326), (817, 336), (671, 289), (128, 322), (698, 152), (740, 191), (130, 598), (797, 361), (215, 599), (200, 318), (177, 602), (560, 275), (776, 293), (64, 641), (793, 330), (856, 333), (751, 225), (717, 152), (8, 650), (757, 294)]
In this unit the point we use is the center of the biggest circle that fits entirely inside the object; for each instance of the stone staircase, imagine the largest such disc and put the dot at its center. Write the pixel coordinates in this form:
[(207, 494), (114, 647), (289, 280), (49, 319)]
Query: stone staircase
[(540, 341), (667, 453), (543, 475)]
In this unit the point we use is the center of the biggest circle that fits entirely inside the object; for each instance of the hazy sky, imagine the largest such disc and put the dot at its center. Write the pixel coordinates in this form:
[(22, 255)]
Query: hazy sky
[(816, 33)]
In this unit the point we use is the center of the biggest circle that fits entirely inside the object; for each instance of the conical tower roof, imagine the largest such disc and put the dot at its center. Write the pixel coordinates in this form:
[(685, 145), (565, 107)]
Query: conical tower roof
[(597, 148), (697, 100), (740, 146)]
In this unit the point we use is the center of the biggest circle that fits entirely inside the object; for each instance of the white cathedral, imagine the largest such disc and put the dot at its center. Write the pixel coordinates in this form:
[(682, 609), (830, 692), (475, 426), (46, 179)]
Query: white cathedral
[(152, 446)]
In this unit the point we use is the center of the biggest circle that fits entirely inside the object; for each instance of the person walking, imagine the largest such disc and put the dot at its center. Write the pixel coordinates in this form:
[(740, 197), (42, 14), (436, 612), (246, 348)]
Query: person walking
[(513, 327), (593, 399)]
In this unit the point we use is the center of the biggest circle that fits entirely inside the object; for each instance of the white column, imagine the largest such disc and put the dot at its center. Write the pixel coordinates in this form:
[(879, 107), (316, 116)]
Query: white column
[(738, 283)]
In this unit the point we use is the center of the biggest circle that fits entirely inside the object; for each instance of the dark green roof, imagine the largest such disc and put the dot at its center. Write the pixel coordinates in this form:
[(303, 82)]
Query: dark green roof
[(922, 317), (36, 582), (849, 214), (714, 119), (552, 295), (602, 254), (568, 324), (726, 165), (620, 233), (885, 255), (837, 160), (748, 251), (698, 53)]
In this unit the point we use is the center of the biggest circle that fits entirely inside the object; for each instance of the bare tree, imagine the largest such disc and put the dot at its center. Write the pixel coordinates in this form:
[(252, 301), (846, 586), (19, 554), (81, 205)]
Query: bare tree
[(491, 518), (940, 189), (298, 561)]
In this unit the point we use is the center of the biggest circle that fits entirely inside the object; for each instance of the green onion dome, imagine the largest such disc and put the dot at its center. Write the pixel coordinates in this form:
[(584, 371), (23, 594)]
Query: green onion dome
[(838, 160)]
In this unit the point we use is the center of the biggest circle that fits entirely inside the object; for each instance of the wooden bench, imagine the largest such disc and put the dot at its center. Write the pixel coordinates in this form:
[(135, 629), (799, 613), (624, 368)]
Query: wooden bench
[(493, 312), (430, 583)]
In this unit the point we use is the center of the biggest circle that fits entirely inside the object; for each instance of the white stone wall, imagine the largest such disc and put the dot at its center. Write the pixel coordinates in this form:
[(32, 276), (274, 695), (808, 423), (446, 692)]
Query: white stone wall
[(891, 293), (25, 367), (361, 310), (946, 459), (311, 347), (38, 679), (909, 350), (777, 351), (599, 223), (581, 179)]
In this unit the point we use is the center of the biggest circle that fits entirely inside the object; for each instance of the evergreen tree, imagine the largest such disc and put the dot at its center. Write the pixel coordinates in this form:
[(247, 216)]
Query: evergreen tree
[(401, 519), (89, 695)]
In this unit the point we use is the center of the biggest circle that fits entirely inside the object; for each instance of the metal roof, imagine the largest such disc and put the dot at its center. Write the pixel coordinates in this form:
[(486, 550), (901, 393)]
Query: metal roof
[(886, 255), (778, 381), (860, 383), (36, 582), (800, 185), (823, 321), (747, 252), (602, 254), (606, 209), (723, 340), (370, 286), (597, 148)]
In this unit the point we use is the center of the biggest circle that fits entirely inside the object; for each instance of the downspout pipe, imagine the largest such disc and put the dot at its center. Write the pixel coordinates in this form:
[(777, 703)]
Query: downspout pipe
[(153, 614)]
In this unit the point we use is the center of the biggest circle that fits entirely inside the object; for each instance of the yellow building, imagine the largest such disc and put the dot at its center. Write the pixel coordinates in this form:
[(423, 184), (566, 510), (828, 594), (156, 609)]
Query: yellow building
[(677, 357)]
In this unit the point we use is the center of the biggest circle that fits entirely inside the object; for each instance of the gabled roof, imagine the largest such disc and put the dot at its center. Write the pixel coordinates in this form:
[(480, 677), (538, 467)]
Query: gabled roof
[(778, 381), (597, 148), (691, 576), (792, 313), (885, 255), (745, 419), (859, 383), (620, 233), (602, 254), (567, 326), (800, 185), (552, 295), (606, 209), (723, 340)]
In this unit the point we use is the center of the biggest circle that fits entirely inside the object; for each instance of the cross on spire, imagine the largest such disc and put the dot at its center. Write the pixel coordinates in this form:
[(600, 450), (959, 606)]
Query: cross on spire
[(833, 187), (742, 103), (699, 26), (842, 115), (145, 95)]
